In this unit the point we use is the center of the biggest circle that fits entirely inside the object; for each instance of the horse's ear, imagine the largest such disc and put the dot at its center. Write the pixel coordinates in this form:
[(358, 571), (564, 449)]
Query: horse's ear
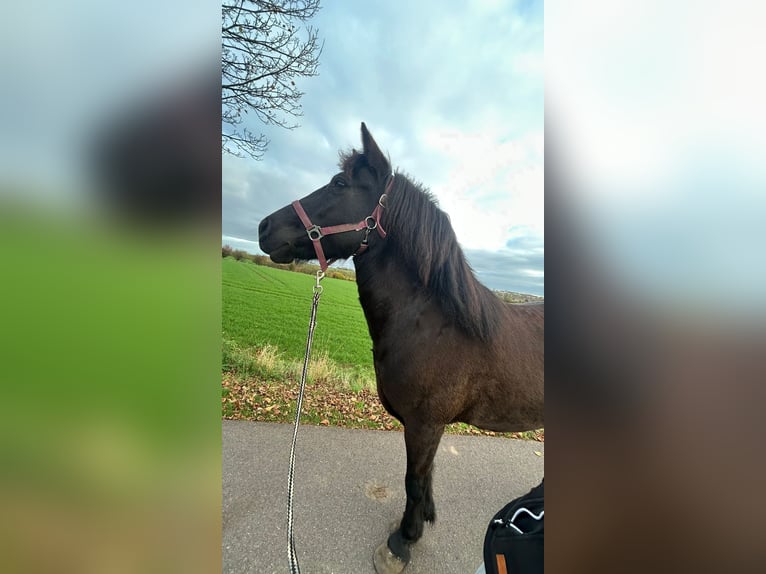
[(373, 154)]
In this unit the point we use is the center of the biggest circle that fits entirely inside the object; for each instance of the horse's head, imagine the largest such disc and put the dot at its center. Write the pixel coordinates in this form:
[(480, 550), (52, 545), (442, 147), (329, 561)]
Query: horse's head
[(350, 197)]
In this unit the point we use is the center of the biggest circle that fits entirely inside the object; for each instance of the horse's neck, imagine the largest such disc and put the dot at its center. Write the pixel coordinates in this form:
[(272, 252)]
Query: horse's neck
[(384, 284)]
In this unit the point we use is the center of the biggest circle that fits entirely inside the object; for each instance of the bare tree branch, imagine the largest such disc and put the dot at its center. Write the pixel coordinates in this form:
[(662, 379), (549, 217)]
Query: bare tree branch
[(263, 51)]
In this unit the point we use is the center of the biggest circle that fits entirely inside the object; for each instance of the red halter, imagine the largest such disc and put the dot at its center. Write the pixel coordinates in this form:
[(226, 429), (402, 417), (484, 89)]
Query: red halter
[(369, 223)]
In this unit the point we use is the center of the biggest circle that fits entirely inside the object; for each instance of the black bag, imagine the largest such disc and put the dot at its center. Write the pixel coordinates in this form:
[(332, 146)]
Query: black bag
[(514, 540)]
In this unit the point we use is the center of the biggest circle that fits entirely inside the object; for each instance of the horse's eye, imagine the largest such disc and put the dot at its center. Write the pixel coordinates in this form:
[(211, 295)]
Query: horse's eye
[(340, 182)]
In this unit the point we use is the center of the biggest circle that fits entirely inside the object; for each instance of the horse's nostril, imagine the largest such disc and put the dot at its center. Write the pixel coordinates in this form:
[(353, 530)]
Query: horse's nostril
[(263, 227)]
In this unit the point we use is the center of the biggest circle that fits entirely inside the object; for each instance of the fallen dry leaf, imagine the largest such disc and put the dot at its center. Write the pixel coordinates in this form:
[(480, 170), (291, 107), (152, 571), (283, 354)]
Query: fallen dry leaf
[(323, 403)]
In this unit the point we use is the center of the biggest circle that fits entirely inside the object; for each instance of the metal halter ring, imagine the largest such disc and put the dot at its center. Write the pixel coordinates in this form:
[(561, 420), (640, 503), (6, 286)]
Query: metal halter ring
[(372, 226), (315, 233)]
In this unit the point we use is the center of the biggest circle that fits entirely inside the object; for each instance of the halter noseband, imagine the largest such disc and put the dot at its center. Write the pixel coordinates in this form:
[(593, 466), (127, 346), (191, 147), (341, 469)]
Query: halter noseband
[(369, 223)]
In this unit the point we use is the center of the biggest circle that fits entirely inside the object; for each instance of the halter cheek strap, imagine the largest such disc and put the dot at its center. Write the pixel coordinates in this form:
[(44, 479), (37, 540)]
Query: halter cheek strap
[(369, 223)]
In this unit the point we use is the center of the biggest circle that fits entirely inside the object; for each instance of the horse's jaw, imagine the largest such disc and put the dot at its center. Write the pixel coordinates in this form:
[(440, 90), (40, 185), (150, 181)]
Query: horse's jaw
[(283, 254)]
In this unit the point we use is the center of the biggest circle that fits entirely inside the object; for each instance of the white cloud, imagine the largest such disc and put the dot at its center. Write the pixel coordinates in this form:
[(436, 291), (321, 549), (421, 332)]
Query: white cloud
[(252, 246), (492, 185)]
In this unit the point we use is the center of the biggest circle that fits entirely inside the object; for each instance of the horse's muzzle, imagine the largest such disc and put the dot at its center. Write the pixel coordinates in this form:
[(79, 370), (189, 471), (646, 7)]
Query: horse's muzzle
[(279, 250), (264, 228)]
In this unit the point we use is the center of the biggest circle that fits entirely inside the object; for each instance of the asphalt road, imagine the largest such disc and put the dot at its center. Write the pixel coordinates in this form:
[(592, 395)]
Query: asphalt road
[(349, 489)]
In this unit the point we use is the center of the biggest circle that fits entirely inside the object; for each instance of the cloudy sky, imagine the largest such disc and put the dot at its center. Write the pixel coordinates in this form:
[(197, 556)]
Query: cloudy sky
[(454, 96)]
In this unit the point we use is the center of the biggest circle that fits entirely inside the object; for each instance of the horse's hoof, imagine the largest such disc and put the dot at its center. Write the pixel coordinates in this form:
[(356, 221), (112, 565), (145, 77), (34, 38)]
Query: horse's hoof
[(386, 562)]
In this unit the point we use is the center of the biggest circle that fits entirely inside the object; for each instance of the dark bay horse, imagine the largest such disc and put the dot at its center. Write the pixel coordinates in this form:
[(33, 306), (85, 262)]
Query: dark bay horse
[(445, 348)]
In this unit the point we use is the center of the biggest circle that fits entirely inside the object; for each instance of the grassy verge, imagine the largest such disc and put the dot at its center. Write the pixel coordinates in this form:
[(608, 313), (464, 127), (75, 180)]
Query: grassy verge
[(262, 385)]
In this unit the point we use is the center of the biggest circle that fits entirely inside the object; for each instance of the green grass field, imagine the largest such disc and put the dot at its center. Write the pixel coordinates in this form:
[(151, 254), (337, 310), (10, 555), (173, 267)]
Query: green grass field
[(263, 306)]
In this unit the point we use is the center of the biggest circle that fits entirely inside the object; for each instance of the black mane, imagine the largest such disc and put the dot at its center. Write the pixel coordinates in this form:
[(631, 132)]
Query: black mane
[(423, 237)]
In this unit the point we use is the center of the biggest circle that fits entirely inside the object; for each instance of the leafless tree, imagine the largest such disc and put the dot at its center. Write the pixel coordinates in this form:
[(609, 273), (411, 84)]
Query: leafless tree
[(264, 49)]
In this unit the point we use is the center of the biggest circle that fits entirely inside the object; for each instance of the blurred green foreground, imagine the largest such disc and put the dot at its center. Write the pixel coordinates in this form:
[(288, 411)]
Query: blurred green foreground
[(110, 406)]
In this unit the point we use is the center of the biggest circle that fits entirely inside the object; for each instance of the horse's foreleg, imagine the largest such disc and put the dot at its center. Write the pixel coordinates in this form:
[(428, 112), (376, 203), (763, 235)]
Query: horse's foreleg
[(422, 442)]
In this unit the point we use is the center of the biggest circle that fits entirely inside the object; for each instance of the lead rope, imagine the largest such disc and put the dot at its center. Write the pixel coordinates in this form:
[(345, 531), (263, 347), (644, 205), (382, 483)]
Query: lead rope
[(293, 558)]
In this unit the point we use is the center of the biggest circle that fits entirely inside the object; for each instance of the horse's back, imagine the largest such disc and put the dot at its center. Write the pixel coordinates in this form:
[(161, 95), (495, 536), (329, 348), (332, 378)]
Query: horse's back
[(537, 305), (527, 319)]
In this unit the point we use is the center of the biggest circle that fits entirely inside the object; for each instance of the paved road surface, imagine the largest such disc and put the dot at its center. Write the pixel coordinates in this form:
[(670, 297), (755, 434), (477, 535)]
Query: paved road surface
[(349, 489)]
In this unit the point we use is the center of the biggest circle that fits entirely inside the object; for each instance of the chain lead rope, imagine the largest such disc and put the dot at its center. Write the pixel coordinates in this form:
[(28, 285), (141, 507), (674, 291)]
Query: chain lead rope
[(292, 556)]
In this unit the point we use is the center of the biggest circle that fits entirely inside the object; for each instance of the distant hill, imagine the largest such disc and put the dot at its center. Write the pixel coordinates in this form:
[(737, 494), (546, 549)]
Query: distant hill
[(514, 297)]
